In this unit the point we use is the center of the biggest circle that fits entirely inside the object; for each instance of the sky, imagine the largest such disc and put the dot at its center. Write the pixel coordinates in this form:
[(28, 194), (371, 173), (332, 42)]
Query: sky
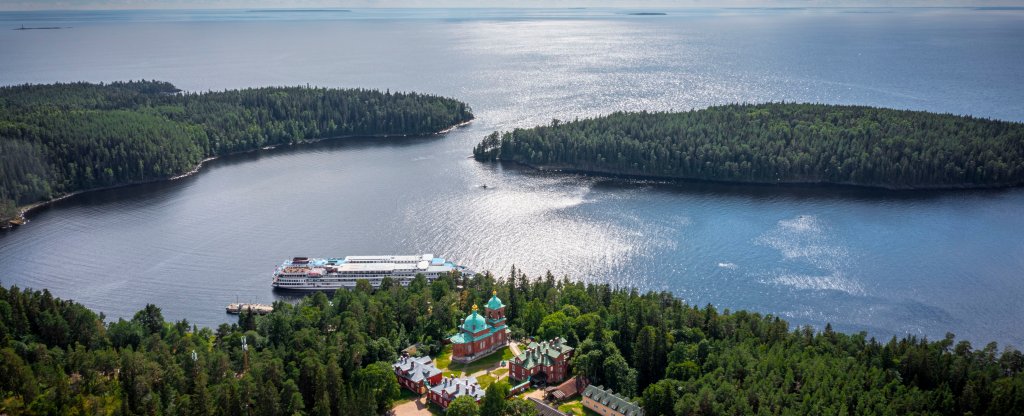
[(251, 4)]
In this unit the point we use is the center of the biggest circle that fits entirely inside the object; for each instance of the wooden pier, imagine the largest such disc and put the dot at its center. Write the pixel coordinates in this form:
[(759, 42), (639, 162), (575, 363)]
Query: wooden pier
[(257, 308)]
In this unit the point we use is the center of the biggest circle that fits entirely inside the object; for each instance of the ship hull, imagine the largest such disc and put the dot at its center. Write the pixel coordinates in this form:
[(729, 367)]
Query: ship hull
[(311, 289), (305, 274)]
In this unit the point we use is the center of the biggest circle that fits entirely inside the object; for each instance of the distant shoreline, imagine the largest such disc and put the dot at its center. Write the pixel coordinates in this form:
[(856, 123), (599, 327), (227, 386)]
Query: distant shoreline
[(42, 28), (298, 11)]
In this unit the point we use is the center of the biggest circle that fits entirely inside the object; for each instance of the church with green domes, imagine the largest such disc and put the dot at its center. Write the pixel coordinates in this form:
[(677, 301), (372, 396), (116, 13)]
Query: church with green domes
[(480, 335)]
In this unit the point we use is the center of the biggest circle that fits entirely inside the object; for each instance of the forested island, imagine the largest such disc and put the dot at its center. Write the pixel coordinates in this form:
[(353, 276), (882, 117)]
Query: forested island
[(331, 356), (778, 143), (62, 138)]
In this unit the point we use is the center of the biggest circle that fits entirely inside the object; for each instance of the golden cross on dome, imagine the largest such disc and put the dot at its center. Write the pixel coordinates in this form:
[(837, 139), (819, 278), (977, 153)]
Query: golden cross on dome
[(474, 307)]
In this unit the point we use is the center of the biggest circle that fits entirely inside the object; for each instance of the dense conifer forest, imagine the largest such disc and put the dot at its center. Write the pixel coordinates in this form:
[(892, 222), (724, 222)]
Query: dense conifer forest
[(330, 356), (62, 138), (778, 143)]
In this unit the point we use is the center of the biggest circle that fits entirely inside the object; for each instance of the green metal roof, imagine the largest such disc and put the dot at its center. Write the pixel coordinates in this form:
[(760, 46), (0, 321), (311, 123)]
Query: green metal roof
[(474, 322), (495, 303), (462, 337), (543, 353)]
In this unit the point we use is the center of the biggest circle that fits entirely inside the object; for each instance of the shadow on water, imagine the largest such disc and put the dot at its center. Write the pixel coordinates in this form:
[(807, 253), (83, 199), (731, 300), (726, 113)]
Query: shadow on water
[(329, 145), (763, 191), (156, 192)]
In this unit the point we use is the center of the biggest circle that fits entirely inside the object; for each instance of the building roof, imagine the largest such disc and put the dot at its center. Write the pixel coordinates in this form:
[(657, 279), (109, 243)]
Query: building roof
[(474, 322), (544, 353), (495, 303), (612, 401), (415, 369), (390, 258), (544, 409), (461, 386), (565, 390), (464, 337)]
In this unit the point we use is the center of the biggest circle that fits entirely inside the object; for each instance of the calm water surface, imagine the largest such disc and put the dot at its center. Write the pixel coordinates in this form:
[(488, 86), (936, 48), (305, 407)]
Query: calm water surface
[(888, 263)]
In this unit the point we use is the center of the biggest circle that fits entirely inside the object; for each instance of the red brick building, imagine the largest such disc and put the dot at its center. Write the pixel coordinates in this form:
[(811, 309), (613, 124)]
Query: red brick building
[(450, 388), (479, 335), (546, 362), (416, 373)]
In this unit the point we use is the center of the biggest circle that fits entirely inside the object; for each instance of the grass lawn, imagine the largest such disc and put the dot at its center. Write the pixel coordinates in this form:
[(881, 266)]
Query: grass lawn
[(445, 359), (500, 372), (485, 380), (451, 374), (481, 364), (575, 407)]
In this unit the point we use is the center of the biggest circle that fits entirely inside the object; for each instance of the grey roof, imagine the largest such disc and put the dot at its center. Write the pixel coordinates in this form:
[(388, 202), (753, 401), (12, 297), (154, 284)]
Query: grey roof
[(460, 386), (544, 409), (612, 401), (415, 369)]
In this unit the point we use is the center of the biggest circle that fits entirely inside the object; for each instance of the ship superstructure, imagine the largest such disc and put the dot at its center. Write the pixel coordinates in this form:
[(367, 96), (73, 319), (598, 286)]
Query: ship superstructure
[(306, 273)]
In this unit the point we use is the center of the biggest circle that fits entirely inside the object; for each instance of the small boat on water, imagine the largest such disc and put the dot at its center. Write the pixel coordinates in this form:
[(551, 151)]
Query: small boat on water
[(257, 308)]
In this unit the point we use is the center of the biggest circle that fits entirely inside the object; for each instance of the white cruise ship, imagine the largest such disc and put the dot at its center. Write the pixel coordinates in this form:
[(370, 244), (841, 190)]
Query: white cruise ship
[(305, 273)]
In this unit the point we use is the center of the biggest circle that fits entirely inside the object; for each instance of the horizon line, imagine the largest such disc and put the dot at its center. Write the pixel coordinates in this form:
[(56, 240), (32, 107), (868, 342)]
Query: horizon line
[(328, 9)]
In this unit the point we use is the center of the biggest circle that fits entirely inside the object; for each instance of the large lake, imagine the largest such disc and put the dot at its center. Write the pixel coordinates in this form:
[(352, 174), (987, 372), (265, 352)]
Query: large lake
[(887, 263)]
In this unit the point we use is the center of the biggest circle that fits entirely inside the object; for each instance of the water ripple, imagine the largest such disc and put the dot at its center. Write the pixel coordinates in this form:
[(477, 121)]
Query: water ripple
[(805, 243)]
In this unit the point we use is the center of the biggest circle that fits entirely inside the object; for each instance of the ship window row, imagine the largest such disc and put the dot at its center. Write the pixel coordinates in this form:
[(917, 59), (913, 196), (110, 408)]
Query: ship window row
[(371, 274), (293, 280), (349, 280)]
